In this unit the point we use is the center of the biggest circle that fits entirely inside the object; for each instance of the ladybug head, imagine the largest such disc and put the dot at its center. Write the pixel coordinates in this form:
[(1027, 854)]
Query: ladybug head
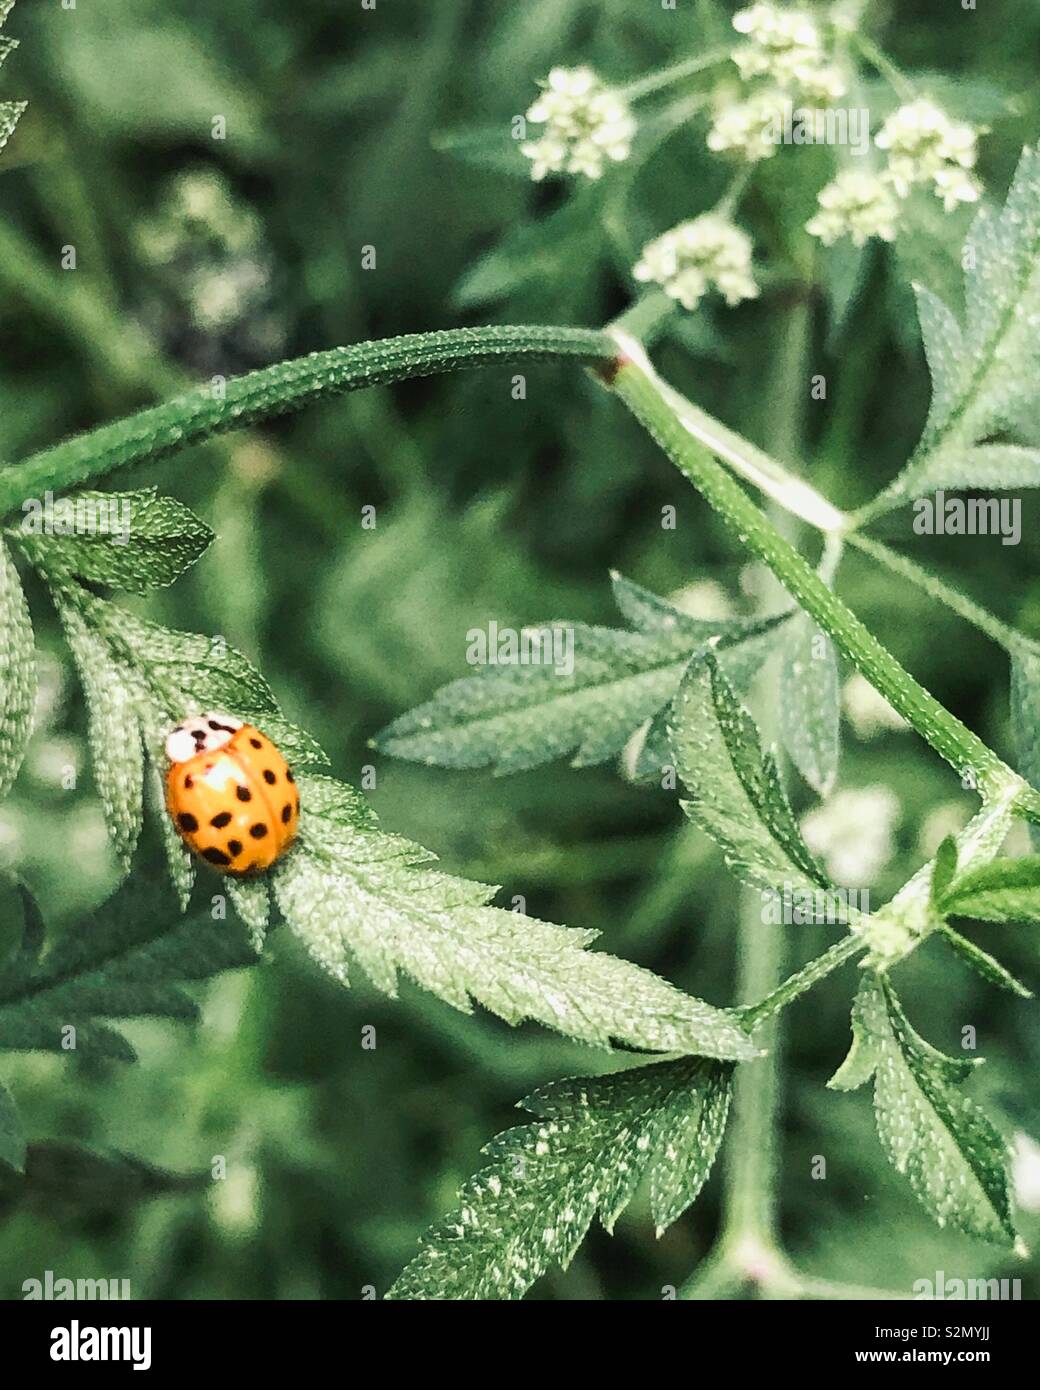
[(200, 734)]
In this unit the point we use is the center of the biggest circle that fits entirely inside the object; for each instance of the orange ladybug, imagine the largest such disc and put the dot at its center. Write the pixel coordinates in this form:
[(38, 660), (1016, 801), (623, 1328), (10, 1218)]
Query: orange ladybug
[(230, 793)]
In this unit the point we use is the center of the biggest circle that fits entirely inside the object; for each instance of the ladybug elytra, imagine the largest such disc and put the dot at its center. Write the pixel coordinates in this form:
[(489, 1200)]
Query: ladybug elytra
[(230, 793)]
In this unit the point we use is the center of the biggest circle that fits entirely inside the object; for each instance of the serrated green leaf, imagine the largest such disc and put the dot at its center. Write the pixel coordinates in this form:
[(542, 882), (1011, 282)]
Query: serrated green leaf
[(955, 1160), (596, 1140), (114, 732), (984, 370), (515, 717), (943, 870), (17, 673), (130, 959), (1005, 890), (124, 540), (1025, 720), (66, 1180), (810, 703), (252, 901), (10, 111), (352, 893), (983, 467), (983, 963), (736, 794), (12, 1135), (191, 672), (10, 115)]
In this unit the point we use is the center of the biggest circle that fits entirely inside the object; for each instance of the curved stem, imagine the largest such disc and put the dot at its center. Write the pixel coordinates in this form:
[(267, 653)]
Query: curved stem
[(154, 433)]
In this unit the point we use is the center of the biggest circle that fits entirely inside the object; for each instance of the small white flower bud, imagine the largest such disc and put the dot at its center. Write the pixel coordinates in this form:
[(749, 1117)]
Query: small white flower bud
[(585, 123), (691, 258), (855, 204)]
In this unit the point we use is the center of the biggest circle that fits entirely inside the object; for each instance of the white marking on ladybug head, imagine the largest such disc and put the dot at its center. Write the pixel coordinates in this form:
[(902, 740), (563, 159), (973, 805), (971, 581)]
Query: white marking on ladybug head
[(202, 733)]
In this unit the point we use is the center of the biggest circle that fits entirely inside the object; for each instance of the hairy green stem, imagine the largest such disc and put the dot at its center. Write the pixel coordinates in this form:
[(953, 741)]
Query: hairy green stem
[(244, 400), (636, 383), (667, 77), (800, 498), (966, 608), (810, 974)]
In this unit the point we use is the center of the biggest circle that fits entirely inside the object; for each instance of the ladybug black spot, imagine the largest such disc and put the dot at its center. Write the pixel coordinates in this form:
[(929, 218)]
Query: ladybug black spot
[(189, 782), (256, 743), (288, 775), (269, 777), (234, 847), (187, 822), (221, 819), (258, 831), (243, 794), (215, 856), (286, 813)]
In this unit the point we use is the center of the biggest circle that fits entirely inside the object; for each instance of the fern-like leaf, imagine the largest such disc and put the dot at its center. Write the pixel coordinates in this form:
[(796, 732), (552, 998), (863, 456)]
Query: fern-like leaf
[(983, 430), (17, 673), (515, 717), (596, 1139), (736, 794), (10, 111), (130, 959), (351, 892), (954, 1159)]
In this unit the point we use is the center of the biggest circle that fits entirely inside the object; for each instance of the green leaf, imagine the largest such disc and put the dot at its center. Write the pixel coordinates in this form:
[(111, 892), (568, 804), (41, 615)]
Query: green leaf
[(66, 1180), (12, 1135), (518, 716), (982, 424), (352, 893), (943, 870), (17, 673), (596, 1140), (736, 794), (10, 115), (10, 111), (1025, 719), (252, 902), (486, 147), (188, 671), (125, 540), (955, 1160), (114, 731), (1005, 890), (983, 963), (130, 959), (810, 703)]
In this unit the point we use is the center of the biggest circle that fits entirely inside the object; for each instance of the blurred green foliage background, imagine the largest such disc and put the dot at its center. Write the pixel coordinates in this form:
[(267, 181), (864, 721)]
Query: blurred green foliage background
[(388, 128)]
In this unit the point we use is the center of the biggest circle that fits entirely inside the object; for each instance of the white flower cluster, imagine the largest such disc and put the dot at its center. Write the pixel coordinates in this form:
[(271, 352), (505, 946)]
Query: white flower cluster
[(923, 146), (867, 710), (785, 46), (855, 204), (853, 834), (747, 126), (690, 259), (585, 123)]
